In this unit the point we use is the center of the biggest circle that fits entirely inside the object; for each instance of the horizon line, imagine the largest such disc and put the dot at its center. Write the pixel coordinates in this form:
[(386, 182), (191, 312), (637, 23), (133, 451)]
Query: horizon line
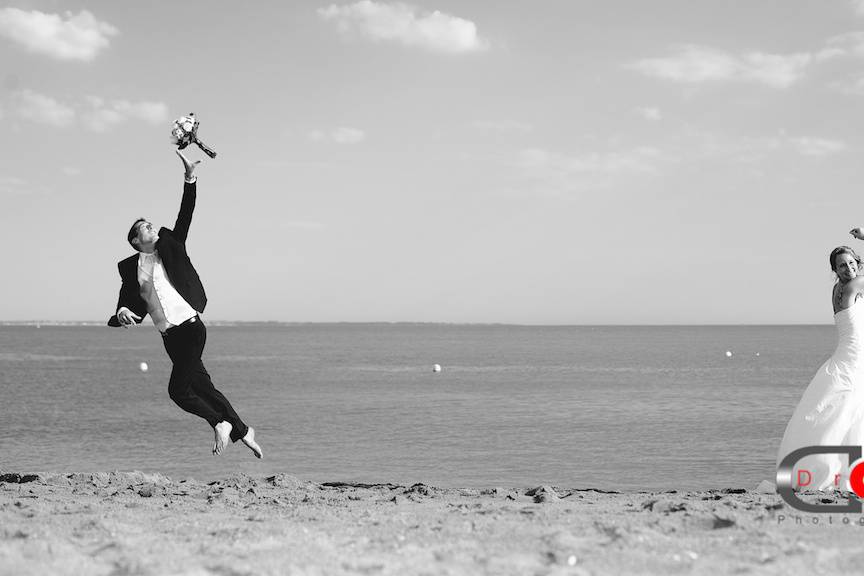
[(407, 323)]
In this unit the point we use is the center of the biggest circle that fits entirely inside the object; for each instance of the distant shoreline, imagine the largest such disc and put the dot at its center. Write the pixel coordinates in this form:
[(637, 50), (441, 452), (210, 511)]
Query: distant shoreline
[(383, 323)]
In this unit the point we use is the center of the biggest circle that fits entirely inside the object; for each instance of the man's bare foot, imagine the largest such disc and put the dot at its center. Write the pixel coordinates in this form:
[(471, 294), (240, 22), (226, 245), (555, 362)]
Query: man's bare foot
[(223, 437), (249, 440)]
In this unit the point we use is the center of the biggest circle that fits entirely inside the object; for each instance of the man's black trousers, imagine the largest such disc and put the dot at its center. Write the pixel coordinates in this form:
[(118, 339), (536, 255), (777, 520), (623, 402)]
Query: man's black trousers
[(190, 386)]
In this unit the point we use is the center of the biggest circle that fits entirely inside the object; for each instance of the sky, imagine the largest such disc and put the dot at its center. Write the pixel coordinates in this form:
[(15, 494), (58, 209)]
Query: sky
[(549, 162)]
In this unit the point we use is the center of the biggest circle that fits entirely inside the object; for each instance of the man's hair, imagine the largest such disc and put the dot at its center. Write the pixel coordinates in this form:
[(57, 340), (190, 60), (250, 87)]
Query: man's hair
[(133, 232)]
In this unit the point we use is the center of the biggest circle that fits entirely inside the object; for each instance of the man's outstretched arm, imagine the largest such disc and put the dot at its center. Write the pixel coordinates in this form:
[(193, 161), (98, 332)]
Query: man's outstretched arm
[(187, 204)]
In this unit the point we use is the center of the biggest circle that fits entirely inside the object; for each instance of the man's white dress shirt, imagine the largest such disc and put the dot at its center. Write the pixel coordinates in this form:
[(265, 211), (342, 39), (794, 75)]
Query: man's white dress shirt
[(165, 305)]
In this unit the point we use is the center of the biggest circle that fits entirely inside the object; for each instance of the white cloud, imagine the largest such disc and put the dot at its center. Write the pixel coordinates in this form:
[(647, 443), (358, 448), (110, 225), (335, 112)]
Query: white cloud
[(776, 70), (807, 146), (341, 135), (754, 149), (850, 85), (94, 113), (690, 64), (69, 37), (294, 164), (348, 135), (41, 109), (102, 115), (649, 113), (699, 145), (13, 186), (640, 159), (402, 23), (851, 43), (858, 6), (504, 126), (697, 64), (561, 173), (302, 224)]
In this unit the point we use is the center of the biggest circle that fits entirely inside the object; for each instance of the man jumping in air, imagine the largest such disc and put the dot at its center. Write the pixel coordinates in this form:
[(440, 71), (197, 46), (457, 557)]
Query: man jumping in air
[(160, 280)]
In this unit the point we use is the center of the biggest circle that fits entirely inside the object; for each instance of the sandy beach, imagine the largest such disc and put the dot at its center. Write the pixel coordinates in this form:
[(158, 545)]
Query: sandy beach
[(137, 523)]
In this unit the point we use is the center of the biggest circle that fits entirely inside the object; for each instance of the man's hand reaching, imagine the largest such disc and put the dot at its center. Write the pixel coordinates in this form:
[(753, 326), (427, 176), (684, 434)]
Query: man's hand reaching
[(189, 167), (127, 317), (857, 233)]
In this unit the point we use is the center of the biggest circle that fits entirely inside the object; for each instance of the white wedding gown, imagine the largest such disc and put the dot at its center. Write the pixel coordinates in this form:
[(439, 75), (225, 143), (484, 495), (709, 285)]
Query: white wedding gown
[(831, 412)]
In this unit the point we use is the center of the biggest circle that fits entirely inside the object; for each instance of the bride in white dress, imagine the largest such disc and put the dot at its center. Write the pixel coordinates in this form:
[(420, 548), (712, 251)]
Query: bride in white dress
[(831, 412)]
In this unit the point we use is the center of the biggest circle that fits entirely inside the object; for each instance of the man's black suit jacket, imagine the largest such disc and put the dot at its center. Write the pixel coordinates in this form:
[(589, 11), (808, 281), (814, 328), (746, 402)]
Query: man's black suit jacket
[(172, 250)]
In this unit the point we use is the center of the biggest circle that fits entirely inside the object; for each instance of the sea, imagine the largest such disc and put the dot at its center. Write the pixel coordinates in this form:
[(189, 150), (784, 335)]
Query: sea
[(607, 407)]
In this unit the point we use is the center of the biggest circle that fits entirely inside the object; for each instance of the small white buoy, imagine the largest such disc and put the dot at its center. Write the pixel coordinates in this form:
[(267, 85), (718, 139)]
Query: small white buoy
[(571, 560), (728, 354), (436, 368), (143, 366), (757, 353)]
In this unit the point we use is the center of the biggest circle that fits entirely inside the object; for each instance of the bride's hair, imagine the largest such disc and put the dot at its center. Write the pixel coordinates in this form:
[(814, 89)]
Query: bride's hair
[(844, 250)]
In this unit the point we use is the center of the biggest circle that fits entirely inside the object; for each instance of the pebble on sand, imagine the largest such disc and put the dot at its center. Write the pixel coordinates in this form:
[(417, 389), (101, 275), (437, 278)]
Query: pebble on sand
[(728, 353), (143, 367), (436, 368), (543, 494)]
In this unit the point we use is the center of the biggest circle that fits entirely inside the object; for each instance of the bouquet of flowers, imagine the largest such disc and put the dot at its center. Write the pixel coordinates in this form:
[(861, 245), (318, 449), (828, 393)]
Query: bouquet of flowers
[(185, 132)]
